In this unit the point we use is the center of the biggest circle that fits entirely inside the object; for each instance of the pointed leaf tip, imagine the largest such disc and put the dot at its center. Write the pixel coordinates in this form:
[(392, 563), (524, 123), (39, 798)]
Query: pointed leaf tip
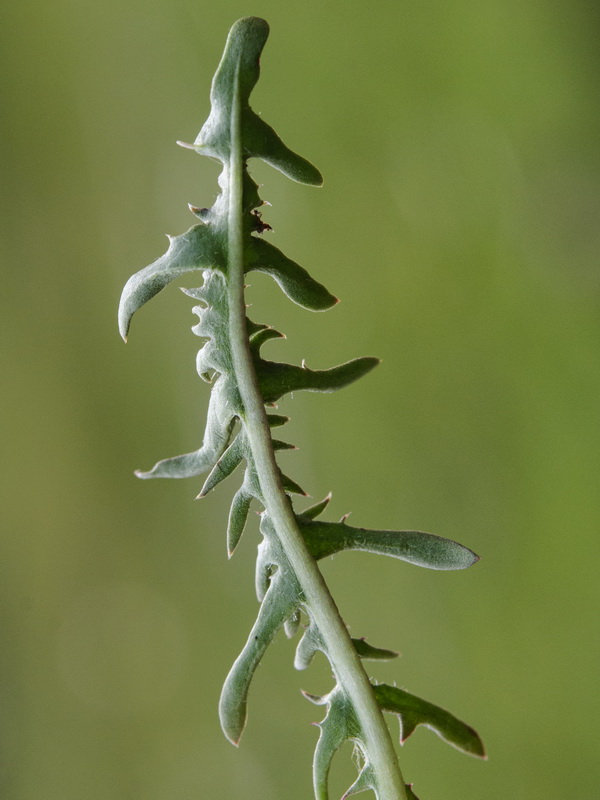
[(314, 698), (316, 510), (366, 780)]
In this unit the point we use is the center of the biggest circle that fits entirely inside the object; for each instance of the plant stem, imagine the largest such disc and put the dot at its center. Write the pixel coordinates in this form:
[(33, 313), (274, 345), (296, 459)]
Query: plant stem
[(344, 658)]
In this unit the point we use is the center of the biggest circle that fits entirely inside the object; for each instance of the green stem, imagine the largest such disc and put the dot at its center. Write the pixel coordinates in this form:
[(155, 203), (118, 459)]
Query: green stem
[(345, 660)]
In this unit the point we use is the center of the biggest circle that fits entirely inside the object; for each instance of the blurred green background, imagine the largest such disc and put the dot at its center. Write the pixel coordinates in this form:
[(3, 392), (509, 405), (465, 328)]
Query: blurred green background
[(459, 224)]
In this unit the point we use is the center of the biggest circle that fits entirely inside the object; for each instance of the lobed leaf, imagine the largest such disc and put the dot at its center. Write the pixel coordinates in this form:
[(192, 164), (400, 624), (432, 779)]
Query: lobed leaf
[(277, 379), (240, 64), (293, 279), (198, 248), (423, 549), (261, 141), (339, 725), (219, 423), (281, 601), (412, 712), (311, 642)]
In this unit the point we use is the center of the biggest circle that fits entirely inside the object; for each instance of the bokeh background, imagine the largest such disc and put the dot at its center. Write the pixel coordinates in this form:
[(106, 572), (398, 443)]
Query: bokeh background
[(459, 224)]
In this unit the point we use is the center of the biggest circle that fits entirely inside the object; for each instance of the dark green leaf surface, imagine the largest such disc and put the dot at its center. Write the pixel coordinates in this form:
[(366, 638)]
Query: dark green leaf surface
[(293, 279), (277, 380), (412, 711), (370, 653), (315, 511), (423, 549)]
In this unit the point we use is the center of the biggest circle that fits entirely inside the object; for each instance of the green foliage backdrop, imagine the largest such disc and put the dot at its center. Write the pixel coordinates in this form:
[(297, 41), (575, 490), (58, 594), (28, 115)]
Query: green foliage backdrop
[(459, 225)]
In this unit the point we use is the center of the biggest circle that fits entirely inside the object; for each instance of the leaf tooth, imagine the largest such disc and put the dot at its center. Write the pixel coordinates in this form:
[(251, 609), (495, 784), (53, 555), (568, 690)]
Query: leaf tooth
[(187, 465), (338, 726), (228, 462), (204, 214), (277, 420), (197, 293), (277, 379), (291, 486), (314, 511), (316, 699), (307, 647), (238, 515), (366, 780), (262, 337), (252, 328), (370, 653), (279, 603), (279, 444)]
